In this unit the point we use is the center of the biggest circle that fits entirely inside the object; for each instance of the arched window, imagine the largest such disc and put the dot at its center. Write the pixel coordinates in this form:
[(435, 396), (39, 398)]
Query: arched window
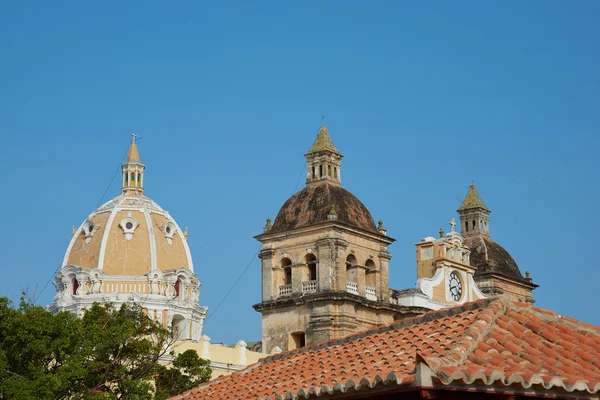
[(314, 172), (466, 226), (177, 288), (351, 260), (286, 264), (474, 226), (311, 261), (335, 173), (370, 264), (75, 285), (329, 170), (320, 171), (132, 178)]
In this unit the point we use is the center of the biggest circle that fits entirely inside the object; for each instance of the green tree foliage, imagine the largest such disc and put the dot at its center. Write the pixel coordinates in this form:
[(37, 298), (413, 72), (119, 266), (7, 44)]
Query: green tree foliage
[(188, 371), (106, 354)]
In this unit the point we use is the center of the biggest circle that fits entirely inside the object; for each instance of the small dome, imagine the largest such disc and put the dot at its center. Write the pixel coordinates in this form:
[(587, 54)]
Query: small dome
[(129, 235), (491, 258), (313, 204)]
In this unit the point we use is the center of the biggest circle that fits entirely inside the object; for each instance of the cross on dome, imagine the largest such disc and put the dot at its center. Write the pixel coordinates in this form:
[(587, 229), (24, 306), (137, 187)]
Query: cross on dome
[(452, 225)]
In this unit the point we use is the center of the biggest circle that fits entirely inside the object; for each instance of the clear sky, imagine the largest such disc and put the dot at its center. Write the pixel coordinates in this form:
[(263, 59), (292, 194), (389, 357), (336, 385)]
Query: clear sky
[(422, 99)]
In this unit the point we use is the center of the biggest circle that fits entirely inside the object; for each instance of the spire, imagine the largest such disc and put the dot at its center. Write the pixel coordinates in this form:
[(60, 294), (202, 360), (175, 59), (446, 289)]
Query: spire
[(472, 200), (132, 155), (323, 142), (133, 170), (323, 160), (474, 215)]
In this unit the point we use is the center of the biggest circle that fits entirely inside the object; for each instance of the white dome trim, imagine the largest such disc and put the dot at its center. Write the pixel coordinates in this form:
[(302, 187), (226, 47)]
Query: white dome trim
[(153, 263), (123, 203), (106, 233)]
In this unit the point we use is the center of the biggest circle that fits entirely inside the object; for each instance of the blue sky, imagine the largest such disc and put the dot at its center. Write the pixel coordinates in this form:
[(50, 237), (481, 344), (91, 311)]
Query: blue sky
[(421, 98)]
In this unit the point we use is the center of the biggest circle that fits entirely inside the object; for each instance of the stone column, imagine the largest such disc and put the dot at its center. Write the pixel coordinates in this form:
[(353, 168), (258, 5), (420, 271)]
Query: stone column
[(269, 291), (360, 280), (383, 287), (297, 278), (324, 252)]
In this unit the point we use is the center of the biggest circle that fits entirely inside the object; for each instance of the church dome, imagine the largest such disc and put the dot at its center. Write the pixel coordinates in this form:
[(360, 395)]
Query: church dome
[(315, 203), (130, 235), (491, 258), (130, 250)]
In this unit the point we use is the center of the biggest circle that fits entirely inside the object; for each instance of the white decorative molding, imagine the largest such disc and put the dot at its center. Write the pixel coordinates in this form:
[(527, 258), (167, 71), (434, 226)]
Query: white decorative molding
[(426, 285), (106, 233), (169, 230), (129, 225), (151, 236), (88, 229), (478, 292)]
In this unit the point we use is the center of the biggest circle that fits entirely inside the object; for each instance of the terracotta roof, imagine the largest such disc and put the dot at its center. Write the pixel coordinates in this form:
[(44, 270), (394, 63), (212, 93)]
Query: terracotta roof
[(491, 258), (312, 204), (472, 200), (323, 142), (496, 344)]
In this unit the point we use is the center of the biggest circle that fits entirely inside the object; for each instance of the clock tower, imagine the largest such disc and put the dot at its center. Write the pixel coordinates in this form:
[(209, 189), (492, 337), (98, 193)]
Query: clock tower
[(444, 272)]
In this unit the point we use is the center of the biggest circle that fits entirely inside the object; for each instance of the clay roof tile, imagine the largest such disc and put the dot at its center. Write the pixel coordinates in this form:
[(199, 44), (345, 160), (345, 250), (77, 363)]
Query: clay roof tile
[(493, 341)]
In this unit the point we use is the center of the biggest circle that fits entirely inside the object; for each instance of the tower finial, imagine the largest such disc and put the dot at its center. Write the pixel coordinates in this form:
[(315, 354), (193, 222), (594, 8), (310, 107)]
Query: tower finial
[(133, 136)]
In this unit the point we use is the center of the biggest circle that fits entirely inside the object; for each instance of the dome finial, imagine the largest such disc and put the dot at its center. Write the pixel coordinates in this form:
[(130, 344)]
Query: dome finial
[(133, 169)]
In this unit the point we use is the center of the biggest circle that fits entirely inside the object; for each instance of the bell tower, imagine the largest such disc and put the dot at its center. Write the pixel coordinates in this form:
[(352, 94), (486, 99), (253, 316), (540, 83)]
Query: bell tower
[(325, 264)]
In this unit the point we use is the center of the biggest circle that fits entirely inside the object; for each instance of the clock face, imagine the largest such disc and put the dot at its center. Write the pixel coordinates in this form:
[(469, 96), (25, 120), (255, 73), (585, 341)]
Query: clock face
[(455, 286)]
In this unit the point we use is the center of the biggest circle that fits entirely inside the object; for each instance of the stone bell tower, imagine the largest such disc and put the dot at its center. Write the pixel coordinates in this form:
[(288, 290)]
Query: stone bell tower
[(324, 262)]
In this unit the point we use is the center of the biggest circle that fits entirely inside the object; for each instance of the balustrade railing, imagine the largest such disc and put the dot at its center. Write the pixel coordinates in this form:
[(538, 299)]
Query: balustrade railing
[(352, 287), (309, 286), (371, 293), (285, 290)]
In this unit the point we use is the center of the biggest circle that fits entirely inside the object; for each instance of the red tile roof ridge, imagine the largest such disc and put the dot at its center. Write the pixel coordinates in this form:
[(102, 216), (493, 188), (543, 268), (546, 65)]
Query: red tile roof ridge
[(471, 337), (468, 343), (403, 323)]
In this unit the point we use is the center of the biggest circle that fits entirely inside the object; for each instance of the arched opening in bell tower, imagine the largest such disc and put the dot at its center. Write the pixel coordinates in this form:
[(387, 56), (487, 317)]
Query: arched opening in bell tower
[(311, 260)]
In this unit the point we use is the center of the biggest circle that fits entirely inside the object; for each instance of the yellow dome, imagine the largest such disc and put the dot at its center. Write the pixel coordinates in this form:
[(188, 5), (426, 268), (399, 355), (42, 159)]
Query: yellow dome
[(130, 235)]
